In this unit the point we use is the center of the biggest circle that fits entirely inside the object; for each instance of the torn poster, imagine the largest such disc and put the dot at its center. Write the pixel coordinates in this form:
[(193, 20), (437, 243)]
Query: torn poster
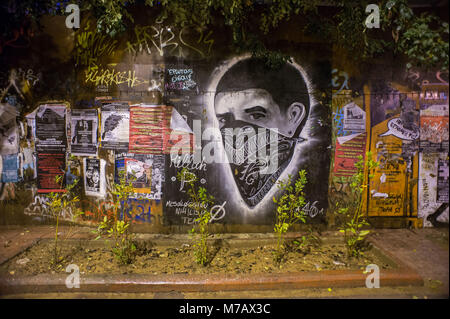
[(9, 133), (434, 128), (28, 164), (442, 182), (148, 126), (49, 166), (84, 125), (51, 128), (180, 139), (94, 177), (10, 167), (354, 118), (115, 126)]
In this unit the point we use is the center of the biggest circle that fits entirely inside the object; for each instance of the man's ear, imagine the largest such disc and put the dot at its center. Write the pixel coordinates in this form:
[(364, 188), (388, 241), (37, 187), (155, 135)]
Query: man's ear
[(295, 115)]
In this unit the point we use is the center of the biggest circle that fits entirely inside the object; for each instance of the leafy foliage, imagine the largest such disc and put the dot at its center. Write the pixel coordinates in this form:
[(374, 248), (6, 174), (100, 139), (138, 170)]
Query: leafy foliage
[(58, 203), (201, 201), (289, 210), (422, 39), (354, 219), (124, 246)]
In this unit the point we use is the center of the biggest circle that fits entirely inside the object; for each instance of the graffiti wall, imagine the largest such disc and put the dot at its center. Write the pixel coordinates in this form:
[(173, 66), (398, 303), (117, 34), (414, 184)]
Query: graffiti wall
[(159, 99)]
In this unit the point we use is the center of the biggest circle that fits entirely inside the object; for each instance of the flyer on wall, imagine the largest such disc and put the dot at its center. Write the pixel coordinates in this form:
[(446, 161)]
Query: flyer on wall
[(51, 128), (10, 166), (115, 126), (49, 166), (9, 133), (148, 126), (84, 124), (94, 177)]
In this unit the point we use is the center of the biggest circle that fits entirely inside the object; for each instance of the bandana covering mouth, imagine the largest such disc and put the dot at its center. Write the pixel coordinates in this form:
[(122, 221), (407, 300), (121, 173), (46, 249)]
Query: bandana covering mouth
[(257, 158)]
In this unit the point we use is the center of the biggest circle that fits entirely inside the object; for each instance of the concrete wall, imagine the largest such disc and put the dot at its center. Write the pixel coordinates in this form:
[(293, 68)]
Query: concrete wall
[(326, 111)]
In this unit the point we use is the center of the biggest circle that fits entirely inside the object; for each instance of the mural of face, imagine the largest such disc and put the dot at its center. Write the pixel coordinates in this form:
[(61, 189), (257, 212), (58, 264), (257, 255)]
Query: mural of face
[(251, 97)]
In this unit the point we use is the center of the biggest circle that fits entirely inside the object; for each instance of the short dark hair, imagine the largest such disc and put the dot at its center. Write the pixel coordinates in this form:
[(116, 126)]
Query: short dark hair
[(286, 84)]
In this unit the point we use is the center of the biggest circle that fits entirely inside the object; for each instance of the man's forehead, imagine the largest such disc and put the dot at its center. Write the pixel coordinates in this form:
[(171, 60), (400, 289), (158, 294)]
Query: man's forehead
[(226, 101)]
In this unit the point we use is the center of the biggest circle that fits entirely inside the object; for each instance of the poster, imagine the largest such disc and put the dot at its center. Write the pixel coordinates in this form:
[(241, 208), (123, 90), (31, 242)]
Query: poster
[(433, 186), (348, 148), (10, 167), (180, 139), (115, 126), (50, 165), (9, 133), (140, 174), (144, 171), (28, 164), (148, 127), (84, 125), (387, 187), (442, 182), (94, 177), (354, 118), (51, 128), (434, 128)]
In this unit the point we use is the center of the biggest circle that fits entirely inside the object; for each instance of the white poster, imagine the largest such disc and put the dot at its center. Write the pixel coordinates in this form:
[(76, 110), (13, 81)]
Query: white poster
[(94, 177), (354, 118)]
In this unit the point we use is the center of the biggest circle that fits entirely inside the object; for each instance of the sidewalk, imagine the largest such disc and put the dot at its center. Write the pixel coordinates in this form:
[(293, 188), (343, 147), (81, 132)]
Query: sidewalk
[(426, 251)]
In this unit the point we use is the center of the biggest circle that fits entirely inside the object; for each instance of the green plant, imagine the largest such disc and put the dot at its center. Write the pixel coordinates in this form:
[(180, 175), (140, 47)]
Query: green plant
[(201, 201), (354, 219), (289, 210), (123, 247), (306, 242), (58, 204)]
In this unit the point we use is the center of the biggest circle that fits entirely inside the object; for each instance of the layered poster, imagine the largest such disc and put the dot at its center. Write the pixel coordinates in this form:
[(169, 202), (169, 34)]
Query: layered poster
[(434, 128), (115, 126), (144, 171), (84, 125), (10, 168), (94, 177), (49, 166), (9, 137), (148, 126), (387, 187), (51, 128)]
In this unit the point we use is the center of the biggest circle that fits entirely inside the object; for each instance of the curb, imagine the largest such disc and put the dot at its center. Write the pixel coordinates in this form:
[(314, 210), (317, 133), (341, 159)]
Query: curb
[(402, 275), (201, 283)]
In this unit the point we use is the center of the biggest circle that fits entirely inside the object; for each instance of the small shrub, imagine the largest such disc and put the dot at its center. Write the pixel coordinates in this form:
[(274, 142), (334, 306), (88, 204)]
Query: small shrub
[(201, 202), (289, 210), (124, 246), (354, 219), (58, 203)]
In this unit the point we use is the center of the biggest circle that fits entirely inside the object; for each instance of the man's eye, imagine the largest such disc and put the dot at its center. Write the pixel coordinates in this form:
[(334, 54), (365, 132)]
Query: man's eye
[(257, 115)]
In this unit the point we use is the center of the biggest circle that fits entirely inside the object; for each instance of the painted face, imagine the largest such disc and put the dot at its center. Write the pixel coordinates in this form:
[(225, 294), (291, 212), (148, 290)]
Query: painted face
[(254, 111), (255, 106)]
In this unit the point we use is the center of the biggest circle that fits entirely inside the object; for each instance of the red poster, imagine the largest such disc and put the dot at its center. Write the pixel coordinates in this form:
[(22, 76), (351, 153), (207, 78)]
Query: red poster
[(148, 126), (346, 155), (50, 165)]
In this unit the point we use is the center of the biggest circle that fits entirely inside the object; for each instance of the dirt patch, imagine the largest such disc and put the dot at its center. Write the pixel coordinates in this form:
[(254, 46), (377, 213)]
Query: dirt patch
[(180, 260)]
